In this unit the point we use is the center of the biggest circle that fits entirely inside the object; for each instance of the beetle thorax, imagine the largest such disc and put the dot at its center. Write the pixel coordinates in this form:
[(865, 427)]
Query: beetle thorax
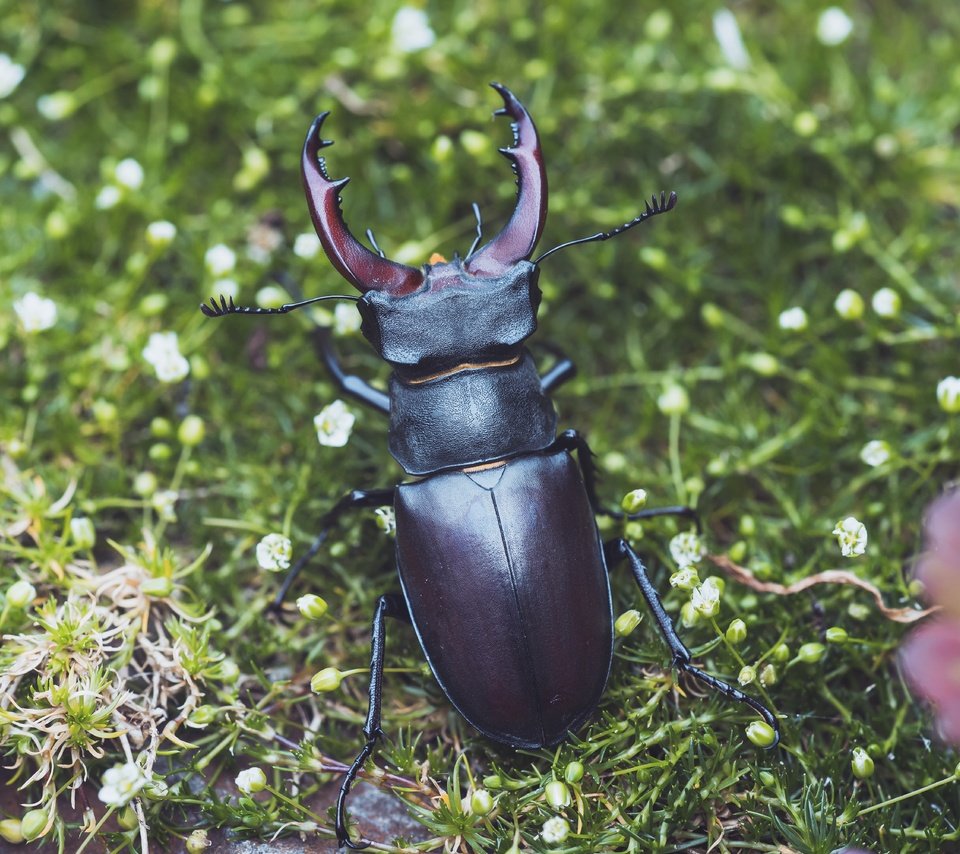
[(453, 318)]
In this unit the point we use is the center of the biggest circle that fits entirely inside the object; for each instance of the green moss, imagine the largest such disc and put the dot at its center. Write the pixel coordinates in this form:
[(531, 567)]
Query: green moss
[(813, 170)]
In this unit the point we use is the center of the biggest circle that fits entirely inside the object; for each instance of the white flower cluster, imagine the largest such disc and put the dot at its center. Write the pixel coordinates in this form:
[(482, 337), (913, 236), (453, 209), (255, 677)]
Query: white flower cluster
[(273, 552), (11, 73), (851, 535), (334, 424), (411, 30), (163, 354), (686, 548), (121, 784)]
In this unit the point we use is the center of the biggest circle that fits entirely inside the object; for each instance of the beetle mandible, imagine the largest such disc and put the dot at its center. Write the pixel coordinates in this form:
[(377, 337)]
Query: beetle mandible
[(502, 569)]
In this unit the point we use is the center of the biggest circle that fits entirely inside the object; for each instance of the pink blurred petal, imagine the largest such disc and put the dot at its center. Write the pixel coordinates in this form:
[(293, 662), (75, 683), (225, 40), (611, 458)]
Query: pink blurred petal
[(930, 661), (942, 527)]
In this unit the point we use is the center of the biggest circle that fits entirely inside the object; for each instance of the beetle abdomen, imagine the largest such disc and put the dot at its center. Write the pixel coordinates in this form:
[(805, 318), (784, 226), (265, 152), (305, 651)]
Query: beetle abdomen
[(505, 580)]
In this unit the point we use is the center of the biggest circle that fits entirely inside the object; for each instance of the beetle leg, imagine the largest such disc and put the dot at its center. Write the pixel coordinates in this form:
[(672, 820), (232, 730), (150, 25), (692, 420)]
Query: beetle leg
[(349, 384), (618, 549), (355, 498), (391, 605), (573, 440), (561, 370)]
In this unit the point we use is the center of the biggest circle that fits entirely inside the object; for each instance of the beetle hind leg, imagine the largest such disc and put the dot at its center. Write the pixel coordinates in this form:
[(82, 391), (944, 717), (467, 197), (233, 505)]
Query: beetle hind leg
[(618, 549), (390, 605)]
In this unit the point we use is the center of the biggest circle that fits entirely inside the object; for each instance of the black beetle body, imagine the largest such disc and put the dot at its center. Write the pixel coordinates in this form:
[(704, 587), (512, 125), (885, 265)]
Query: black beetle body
[(504, 575)]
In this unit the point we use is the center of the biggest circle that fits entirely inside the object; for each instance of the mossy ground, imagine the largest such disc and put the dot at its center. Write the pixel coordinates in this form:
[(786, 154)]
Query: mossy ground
[(807, 170)]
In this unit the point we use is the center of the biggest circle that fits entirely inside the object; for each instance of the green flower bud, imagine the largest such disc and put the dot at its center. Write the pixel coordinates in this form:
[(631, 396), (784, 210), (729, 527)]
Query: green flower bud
[(748, 526), (626, 623), (761, 734), (203, 715), (494, 781), (20, 594), (768, 779), (557, 794), (251, 780), (689, 616), (674, 400), (685, 579), (228, 671), (197, 842), (127, 818), (861, 764), (158, 588), (836, 634), (634, 500), (747, 675), (82, 532), (33, 823), (11, 831), (159, 451), (481, 802), (737, 551), (768, 676), (145, 483), (811, 653), (848, 304), (781, 652), (712, 315), (191, 431), (312, 607), (737, 631), (328, 679), (762, 363), (573, 773)]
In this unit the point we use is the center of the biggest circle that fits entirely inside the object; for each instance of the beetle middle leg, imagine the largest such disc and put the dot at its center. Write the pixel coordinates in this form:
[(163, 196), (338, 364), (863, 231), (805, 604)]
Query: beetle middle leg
[(617, 550), (353, 499), (573, 440), (390, 605)]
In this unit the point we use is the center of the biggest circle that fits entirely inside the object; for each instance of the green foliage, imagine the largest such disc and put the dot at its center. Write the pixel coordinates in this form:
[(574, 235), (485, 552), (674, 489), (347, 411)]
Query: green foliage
[(804, 170)]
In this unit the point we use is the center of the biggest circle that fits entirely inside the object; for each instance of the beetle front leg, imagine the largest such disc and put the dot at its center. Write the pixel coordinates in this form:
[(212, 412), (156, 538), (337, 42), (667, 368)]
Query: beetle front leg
[(618, 549), (349, 384), (390, 605), (355, 498)]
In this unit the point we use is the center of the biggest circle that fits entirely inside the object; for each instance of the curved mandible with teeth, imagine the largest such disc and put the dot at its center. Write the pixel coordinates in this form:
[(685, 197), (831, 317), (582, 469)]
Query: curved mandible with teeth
[(364, 269), (520, 235)]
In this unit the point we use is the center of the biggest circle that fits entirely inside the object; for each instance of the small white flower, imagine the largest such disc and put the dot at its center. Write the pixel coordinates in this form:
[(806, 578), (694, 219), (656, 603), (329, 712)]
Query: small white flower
[(555, 830), (686, 548), (727, 33), (706, 598), (793, 319), (225, 288), (128, 173), (121, 784), (875, 453), (851, 535), (386, 520), (11, 73), (886, 302), (220, 260), (163, 354), (346, 319), (56, 106), (334, 424), (849, 304), (273, 552), (161, 233), (411, 30), (35, 312), (163, 502), (108, 197), (948, 394), (306, 246), (833, 26), (251, 780)]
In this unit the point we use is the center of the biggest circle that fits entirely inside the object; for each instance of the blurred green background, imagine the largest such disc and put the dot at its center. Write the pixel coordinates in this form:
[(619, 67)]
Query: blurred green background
[(813, 152)]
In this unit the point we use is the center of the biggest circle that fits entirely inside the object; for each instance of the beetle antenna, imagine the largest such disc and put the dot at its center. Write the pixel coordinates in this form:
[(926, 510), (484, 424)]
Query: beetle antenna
[(479, 237), (373, 243), (660, 205), (223, 308)]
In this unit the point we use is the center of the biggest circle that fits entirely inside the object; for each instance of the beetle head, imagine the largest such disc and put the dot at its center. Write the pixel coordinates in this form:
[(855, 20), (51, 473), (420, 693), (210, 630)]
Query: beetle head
[(480, 306)]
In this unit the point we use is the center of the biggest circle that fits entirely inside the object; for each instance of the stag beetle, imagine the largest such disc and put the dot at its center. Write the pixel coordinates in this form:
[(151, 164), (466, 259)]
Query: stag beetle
[(503, 572)]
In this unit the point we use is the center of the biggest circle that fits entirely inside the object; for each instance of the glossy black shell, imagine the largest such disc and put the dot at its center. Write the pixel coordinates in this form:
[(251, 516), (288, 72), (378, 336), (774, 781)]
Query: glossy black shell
[(504, 576)]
